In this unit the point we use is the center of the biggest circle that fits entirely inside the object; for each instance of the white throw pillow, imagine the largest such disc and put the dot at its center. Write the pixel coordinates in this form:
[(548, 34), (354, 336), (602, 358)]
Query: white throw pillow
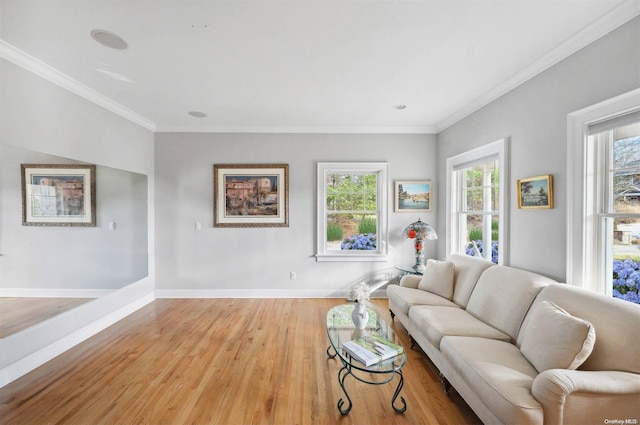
[(555, 339), (438, 278)]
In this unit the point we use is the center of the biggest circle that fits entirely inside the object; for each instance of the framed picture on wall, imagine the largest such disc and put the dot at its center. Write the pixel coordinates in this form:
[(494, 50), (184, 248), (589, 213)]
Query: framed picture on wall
[(58, 195), (251, 195), (535, 192), (413, 196)]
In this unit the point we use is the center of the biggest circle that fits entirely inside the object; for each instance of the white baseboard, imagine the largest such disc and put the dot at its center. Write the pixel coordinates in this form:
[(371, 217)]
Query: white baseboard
[(258, 293), (247, 293), (54, 293)]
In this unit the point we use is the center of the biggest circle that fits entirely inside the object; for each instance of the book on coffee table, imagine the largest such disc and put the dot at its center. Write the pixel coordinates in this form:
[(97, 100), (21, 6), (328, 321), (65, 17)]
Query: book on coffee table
[(372, 349)]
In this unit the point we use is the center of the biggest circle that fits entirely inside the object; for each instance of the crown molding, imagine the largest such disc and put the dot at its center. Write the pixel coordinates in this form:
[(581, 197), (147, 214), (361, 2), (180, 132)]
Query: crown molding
[(30, 63), (617, 17), (599, 28), (299, 129), (36, 66)]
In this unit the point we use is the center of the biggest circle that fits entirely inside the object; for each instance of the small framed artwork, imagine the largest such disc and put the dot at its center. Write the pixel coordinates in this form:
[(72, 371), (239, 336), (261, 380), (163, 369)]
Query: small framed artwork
[(58, 195), (535, 192), (413, 196), (251, 195)]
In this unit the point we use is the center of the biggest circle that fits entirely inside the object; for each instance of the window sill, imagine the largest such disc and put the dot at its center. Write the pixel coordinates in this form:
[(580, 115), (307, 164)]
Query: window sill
[(352, 257)]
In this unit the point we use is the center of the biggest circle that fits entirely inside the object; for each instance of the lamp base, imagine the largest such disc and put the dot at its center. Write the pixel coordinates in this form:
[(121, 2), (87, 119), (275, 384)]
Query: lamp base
[(419, 265)]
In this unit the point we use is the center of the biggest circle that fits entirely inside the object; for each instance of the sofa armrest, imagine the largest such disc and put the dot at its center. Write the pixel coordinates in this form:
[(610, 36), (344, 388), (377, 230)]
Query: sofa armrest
[(410, 281), (579, 396)]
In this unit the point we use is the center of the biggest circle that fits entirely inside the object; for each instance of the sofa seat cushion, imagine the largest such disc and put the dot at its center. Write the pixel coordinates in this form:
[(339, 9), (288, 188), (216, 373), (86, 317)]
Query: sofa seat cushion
[(437, 322), (498, 374), (405, 298)]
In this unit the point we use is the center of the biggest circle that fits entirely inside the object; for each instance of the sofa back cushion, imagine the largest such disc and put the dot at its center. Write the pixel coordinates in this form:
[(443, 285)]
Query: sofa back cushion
[(615, 322), (438, 278), (467, 272), (554, 339), (503, 295)]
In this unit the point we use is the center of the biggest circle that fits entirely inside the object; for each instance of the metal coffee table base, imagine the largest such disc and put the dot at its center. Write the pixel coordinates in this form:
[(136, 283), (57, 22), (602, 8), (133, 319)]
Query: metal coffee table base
[(347, 369)]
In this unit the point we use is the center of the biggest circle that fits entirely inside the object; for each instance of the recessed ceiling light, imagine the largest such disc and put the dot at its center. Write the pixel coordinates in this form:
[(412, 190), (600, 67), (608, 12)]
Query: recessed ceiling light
[(197, 114), (109, 39), (399, 107)]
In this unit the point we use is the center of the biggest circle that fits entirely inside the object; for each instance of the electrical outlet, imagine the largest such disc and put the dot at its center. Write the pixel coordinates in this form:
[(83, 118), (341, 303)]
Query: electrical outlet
[(292, 275)]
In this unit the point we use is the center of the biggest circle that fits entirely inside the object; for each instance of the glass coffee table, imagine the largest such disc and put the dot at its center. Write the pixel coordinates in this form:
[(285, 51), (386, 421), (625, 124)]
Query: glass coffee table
[(340, 329)]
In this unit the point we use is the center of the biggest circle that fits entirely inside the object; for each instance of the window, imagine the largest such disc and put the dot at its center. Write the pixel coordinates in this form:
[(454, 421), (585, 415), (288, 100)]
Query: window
[(613, 155), (476, 199), (352, 211), (603, 240)]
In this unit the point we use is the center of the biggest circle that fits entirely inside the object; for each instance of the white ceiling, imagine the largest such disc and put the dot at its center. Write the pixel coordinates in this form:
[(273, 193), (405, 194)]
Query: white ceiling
[(300, 65)]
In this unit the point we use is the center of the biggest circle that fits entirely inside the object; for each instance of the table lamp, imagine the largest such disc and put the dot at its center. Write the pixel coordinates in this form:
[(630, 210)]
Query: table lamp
[(419, 231)]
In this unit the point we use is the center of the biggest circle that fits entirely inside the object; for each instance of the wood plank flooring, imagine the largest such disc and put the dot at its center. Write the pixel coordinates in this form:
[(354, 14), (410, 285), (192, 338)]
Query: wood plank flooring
[(17, 314), (220, 361)]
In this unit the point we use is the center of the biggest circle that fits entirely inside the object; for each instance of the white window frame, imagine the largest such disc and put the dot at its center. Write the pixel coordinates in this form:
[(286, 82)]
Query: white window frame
[(382, 170), (499, 149), (584, 244)]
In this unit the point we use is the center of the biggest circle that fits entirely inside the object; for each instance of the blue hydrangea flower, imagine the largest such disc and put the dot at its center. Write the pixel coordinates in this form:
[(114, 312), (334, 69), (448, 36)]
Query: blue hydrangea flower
[(367, 242), (632, 297), (494, 250), (626, 280)]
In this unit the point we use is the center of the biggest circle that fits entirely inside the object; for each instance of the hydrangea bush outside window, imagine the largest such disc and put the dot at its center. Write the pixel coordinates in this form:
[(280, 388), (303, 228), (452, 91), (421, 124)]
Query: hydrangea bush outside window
[(367, 242), (626, 280), (494, 250)]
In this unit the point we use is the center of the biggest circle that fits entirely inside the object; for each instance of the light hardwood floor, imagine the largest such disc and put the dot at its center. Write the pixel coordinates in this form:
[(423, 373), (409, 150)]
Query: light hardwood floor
[(17, 314), (220, 361)]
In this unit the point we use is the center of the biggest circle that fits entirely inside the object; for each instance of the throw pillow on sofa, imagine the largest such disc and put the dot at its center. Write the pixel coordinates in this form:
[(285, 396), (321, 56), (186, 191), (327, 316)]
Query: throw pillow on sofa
[(555, 339), (438, 278)]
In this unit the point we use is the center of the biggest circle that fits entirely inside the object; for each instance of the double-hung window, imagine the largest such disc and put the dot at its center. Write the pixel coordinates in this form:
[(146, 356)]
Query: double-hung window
[(613, 155), (476, 219), (603, 241), (352, 211)]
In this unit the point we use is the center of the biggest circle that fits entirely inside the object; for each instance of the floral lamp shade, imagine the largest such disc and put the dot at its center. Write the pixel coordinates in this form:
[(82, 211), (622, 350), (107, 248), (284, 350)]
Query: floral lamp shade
[(419, 231)]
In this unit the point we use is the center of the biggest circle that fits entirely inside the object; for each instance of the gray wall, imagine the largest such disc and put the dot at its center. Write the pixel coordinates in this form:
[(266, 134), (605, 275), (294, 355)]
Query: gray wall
[(71, 258), (257, 261), (44, 119), (534, 117)]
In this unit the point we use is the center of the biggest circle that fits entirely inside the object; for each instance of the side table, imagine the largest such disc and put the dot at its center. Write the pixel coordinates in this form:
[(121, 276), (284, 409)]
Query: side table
[(407, 269)]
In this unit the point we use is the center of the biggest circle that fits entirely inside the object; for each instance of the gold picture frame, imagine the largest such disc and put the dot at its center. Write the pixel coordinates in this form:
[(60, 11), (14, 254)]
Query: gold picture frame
[(251, 195), (535, 192)]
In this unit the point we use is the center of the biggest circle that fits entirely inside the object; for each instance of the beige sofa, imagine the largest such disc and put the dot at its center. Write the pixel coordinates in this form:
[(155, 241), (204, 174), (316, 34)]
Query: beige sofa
[(521, 348)]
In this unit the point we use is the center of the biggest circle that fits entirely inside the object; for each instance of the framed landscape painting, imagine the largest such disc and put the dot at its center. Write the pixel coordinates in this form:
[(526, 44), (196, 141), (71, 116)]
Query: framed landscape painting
[(413, 196), (535, 192), (251, 195), (58, 195)]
